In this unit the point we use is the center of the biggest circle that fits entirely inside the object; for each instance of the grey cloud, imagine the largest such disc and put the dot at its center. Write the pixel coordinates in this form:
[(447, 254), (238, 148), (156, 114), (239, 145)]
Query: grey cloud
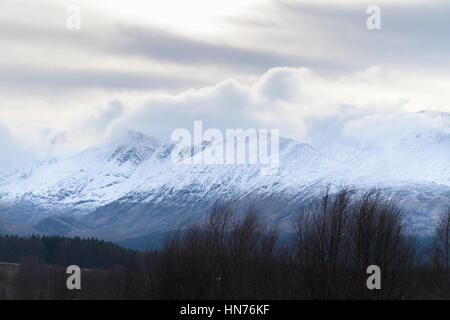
[(410, 34), (414, 35), (160, 45), (126, 42), (67, 79)]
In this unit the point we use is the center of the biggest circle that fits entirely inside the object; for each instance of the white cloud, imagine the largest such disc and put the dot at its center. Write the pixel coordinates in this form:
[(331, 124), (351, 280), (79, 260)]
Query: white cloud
[(298, 101), (383, 128), (369, 105)]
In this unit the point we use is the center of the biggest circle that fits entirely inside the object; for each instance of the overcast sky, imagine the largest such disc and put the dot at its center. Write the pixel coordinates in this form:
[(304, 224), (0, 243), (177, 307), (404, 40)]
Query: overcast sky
[(300, 66)]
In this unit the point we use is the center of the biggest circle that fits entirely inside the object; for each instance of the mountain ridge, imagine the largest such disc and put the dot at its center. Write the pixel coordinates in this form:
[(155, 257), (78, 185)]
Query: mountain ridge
[(131, 187)]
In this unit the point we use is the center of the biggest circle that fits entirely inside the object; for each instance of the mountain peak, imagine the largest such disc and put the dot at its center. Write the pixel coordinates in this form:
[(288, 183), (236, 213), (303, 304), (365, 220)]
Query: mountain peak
[(135, 147), (132, 136)]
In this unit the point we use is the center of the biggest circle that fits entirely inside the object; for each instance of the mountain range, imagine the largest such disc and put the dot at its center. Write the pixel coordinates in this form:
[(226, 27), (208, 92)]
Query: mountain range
[(131, 188)]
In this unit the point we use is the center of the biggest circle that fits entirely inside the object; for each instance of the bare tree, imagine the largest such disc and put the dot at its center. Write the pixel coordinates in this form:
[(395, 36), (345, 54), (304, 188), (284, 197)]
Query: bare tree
[(321, 239), (377, 237), (441, 257), (338, 238), (231, 254)]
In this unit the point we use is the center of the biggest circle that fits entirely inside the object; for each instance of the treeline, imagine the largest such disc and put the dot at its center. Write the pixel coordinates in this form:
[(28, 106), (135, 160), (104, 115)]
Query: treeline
[(235, 255), (55, 250)]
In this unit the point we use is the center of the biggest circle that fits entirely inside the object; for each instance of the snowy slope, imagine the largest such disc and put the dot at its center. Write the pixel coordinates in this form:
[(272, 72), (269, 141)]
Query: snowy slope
[(141, 164)]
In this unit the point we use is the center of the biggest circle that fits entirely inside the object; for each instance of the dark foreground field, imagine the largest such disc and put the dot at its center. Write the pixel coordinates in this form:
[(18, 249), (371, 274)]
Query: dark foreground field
[(8, 272)]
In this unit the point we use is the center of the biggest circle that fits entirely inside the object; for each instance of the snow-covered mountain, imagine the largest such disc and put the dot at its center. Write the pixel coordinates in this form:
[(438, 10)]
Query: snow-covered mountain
[(132, 187)]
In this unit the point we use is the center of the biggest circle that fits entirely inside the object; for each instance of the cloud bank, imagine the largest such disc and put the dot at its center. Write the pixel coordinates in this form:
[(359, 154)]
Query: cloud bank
[(369, 106)]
